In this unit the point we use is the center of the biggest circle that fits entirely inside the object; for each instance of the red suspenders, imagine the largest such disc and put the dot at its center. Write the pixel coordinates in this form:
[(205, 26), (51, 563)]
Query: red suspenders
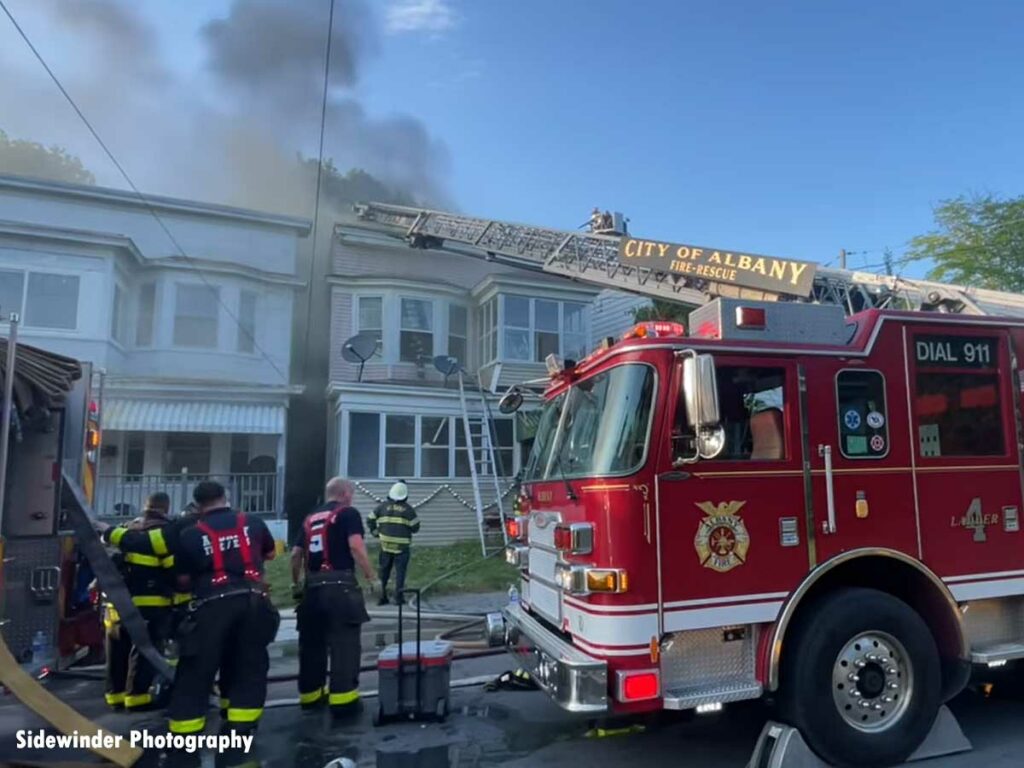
[(217, 554), (322, 521)]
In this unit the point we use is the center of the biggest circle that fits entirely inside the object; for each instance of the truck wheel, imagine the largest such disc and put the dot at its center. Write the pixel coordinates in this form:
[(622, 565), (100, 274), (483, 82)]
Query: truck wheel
[(861, 678)]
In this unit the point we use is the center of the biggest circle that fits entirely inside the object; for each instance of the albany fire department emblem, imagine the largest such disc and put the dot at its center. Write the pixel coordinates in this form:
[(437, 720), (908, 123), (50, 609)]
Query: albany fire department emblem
[(722, 540)]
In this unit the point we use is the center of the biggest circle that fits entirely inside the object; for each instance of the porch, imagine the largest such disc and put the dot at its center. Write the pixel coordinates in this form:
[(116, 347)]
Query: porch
[(122, 496)]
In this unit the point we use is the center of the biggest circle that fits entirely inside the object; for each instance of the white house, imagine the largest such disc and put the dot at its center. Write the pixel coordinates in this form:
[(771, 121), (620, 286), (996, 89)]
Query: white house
[(186, 306)]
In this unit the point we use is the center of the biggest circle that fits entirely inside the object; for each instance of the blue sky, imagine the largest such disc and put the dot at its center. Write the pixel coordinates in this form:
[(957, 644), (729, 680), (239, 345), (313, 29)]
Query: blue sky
[(786, 128), (791, 128)]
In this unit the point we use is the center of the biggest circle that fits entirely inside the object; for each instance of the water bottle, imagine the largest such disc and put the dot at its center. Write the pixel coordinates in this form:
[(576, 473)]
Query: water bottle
[(513, 595), (40, 647)]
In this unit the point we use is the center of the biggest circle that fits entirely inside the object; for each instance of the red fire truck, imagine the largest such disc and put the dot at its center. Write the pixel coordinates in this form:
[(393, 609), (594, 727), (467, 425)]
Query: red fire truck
[(785, 502)]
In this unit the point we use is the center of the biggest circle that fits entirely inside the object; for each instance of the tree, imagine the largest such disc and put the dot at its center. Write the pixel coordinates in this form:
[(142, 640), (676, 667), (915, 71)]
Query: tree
[(662, 309), (979, 242), (30, 158)]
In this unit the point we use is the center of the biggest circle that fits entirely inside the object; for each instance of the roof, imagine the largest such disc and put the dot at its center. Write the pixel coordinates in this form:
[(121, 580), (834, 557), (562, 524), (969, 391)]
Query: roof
[(143, 415), (129, 198)]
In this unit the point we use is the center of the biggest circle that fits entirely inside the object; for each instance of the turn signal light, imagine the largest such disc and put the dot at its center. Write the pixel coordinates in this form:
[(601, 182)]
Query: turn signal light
[(580, 580), (92, 439), (638, 686), (606, 580)]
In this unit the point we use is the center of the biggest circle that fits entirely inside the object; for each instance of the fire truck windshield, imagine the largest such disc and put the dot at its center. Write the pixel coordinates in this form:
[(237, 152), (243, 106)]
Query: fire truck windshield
[(599, 426)]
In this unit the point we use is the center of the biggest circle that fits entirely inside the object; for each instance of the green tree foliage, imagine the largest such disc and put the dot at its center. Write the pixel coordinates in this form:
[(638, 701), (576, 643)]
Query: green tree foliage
[(661, 309), (30, 158), (979, 242)]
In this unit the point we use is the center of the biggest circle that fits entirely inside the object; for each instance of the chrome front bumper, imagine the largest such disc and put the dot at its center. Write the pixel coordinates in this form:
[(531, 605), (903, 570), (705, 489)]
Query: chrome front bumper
[(577, 682)]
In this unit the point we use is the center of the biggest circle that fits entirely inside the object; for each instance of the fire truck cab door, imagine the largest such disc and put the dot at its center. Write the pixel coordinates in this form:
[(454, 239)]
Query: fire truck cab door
[(731, 529)]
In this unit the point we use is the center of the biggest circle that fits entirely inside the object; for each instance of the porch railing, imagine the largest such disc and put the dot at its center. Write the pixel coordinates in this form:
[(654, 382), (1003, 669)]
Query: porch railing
[(124, 496)]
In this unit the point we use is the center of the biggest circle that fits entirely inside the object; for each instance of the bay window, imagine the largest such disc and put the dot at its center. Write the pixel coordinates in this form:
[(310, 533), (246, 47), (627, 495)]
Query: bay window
[(196, 311), (532, 329), (52, 301)]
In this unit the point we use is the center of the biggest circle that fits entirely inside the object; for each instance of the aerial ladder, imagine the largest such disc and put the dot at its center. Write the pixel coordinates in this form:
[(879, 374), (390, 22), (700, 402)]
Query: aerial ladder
[(595, 258)]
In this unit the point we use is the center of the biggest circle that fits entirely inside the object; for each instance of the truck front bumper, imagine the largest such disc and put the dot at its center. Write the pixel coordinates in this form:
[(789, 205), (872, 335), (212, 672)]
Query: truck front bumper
[(576, 681)]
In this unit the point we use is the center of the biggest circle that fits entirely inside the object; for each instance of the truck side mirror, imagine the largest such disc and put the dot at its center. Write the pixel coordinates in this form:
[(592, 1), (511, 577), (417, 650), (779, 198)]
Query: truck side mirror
[(700, 393)]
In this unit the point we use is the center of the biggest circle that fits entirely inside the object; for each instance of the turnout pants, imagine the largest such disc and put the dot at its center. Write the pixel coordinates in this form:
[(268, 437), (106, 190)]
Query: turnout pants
[(129, 674), (397, 560), (238, 626), (330, 619)]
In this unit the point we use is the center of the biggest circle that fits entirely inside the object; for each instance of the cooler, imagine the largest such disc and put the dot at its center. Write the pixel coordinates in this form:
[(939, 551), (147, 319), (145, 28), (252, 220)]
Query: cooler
[(414, 691)]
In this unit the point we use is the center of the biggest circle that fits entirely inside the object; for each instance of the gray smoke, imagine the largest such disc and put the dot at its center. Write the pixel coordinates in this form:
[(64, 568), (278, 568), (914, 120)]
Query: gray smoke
[(235, 134)]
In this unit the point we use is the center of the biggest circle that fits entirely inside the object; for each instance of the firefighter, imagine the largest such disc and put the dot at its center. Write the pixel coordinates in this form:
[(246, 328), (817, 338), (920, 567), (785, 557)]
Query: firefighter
[(331, 610), (146, 566), (220, 559), (394, 522)]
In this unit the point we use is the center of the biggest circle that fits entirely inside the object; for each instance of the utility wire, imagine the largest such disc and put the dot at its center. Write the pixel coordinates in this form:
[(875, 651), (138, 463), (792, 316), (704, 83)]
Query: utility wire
[(99, 140), (319, 182)]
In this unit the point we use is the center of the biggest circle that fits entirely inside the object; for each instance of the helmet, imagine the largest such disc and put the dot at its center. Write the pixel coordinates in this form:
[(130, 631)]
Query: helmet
[(399, 491)]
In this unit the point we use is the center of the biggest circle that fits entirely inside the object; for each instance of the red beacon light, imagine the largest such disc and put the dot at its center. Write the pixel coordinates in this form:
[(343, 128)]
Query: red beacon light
[(655, 329)]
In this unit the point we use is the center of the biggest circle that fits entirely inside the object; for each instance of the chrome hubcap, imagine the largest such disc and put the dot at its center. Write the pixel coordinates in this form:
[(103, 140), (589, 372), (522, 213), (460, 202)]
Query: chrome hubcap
[(872, 681)]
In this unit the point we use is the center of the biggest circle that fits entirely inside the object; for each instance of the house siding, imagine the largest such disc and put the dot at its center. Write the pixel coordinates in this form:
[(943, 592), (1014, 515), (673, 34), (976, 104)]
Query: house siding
[(612, 313), (442, 519)]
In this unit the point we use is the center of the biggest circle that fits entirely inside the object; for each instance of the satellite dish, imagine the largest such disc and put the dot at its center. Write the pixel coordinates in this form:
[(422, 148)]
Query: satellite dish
[(511, 401), (447, 365), (359, 349)]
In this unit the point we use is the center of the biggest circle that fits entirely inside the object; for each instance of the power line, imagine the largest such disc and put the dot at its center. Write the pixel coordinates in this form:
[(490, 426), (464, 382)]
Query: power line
[(319, 179), (181, 251)]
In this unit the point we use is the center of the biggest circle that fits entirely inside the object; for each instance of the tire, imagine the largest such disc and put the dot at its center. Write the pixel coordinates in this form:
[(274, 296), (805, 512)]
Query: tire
[(879, 714)]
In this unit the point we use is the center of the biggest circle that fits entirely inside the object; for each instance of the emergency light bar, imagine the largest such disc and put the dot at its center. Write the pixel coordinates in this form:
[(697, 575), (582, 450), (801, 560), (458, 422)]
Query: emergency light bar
[(656, 329)]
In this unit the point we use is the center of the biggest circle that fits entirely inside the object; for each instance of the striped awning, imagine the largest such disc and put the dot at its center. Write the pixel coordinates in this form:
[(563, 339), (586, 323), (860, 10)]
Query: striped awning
[(192, 416)]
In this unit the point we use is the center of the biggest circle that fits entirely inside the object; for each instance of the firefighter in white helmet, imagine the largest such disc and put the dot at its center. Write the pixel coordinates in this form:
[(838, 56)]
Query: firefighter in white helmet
[(394, 522)]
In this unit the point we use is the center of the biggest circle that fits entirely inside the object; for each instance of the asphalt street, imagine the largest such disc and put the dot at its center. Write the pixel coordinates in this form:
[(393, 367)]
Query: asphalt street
[(504, 728)]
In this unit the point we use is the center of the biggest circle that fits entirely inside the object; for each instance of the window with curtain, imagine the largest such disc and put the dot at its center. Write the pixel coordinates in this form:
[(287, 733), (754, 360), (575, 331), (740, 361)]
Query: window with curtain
[(416, 336)]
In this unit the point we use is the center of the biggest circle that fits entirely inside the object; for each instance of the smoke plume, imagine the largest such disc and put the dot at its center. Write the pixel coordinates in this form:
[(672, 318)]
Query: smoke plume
[(234, 130)]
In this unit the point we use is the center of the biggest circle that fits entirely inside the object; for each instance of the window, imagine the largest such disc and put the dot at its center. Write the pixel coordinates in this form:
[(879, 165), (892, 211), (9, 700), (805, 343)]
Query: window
[(753, 408), (958, 414), (574, 332), (604, 429), (436, 445), (416, 341), (422, 446), (187, 451), (52, 301), (12, 290), (489, 331), (364, 444), (545, 336), (117, 315), (957, 396), (247, 322), (144, 317), (400, 446), (457, 332), (370, 321), (536, 328), (134, 453), (863, 420), (517, 328), (196, 309), (239, 453)]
